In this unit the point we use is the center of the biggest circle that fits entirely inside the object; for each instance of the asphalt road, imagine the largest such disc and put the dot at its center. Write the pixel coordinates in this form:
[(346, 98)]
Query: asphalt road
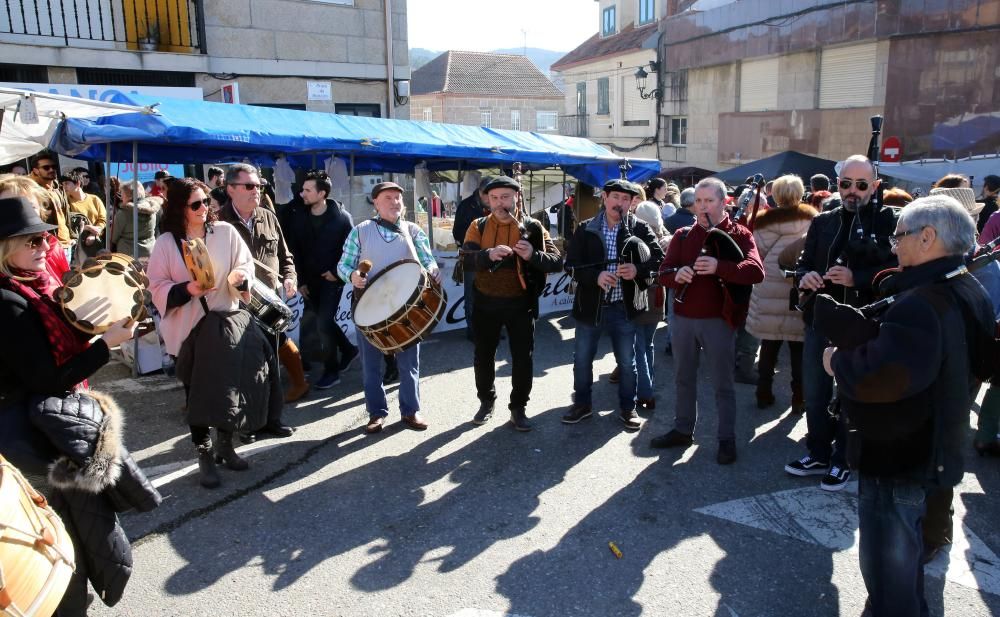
[(484, 521)]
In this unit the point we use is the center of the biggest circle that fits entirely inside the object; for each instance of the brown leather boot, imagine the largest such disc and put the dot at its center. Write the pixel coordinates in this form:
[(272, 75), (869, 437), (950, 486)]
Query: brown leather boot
[(291, 359)]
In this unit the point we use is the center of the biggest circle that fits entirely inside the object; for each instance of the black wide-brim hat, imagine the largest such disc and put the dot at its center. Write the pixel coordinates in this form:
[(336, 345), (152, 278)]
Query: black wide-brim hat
[(19, 218)]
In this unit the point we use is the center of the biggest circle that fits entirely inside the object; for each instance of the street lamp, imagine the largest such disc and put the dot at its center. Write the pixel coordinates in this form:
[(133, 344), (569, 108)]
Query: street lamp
[(640, 81)]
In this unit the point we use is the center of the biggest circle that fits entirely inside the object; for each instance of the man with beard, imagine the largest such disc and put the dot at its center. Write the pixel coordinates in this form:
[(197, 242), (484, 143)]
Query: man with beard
[(845, 248)]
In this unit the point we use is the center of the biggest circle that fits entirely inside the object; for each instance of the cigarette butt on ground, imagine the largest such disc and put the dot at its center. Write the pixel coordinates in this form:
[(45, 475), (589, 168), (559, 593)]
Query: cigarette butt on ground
[(615, 550)]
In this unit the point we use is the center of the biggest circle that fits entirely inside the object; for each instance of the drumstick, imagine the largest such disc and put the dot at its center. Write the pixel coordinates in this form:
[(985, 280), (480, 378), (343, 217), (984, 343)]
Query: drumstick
[(364, 268)]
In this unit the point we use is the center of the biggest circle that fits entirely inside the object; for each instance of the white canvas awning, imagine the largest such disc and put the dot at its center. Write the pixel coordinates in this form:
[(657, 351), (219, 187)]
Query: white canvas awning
[(20, 139)]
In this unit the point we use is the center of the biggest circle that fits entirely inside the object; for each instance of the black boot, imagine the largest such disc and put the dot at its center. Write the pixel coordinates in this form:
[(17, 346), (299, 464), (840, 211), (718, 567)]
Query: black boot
[(224, 453), (519, 420), (484, 414), (206, 467)]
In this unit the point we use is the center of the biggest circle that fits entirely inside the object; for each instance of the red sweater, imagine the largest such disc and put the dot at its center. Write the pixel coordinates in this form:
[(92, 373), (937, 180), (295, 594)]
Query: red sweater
[(705, 296)]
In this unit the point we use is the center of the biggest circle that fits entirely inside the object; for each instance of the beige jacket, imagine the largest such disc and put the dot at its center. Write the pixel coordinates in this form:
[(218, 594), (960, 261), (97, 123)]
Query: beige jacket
[(770, 317)]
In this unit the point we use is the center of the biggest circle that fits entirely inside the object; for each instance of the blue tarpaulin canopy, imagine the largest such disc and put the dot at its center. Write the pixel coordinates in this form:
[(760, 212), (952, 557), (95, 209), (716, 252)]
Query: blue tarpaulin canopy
[(199, 132)]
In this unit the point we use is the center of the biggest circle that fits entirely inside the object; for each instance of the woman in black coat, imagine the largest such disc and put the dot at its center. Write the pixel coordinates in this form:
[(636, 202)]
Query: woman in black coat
[(66, 440)]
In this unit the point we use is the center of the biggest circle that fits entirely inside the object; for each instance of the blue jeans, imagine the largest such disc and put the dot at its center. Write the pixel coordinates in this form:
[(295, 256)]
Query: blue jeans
[(826, 438), (890, 513), (409, 379), (622, 333), (644, 359)]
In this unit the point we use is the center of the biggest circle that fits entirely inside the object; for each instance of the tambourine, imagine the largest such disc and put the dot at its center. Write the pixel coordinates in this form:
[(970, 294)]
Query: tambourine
[(100, 293), (198, 262)]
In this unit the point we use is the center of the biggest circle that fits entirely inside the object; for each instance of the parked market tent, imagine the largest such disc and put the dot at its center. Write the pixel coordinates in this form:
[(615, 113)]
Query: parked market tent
[(788, 162), (197, 132), (23, 135)]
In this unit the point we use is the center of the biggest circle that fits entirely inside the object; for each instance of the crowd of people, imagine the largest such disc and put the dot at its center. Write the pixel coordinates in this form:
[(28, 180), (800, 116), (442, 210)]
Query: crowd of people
[(733, 283)]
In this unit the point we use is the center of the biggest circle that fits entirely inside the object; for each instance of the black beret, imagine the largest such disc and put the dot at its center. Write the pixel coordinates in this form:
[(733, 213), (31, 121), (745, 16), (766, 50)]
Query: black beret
[(622, 186), (502, 182)]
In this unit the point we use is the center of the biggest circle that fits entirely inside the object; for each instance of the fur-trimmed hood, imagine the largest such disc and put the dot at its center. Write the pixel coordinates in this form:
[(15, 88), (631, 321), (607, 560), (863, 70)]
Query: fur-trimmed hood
[(147, 205), (777, 216), (87, 429)]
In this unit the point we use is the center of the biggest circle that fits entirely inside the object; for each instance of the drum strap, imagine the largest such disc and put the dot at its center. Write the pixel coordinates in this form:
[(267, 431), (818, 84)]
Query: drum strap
[(177, 240)]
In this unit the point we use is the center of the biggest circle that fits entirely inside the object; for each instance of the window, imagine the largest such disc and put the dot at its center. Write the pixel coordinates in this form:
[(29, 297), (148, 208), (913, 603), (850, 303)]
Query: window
[(486, 119), (847, 76), (515, 119), (647, 11), (608, 21), (428, 114), (678, 131), (581, 98), (546, 121), (759, 85), (603, 96), (366, 110)]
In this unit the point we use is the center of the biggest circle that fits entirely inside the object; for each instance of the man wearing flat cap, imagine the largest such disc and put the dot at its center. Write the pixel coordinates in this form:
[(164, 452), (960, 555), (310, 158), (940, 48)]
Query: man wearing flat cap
[(383, 240), (612, 258), (510, 255)]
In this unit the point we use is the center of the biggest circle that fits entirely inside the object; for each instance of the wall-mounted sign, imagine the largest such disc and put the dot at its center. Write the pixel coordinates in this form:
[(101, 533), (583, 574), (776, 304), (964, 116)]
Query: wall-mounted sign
[(320, 90)]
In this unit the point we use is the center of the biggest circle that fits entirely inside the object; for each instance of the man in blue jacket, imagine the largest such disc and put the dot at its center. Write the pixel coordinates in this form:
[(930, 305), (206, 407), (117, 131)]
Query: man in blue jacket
[(316, 235)]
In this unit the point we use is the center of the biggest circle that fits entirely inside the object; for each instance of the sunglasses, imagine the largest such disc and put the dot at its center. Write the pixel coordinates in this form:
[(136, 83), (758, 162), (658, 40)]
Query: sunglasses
[(846, 183), (250, 186), (46, 167), (37, 242), (197, 205)]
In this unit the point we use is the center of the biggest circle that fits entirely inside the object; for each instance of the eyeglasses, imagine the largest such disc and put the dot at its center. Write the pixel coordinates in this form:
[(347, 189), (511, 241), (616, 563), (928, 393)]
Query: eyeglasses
[(36, 242), (197, 205), (250, 186), (847, 182), (895, 238)]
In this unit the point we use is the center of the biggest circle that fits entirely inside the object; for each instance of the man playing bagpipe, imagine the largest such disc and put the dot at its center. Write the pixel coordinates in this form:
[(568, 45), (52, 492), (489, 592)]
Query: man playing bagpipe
[(712, 267), (905, 384)]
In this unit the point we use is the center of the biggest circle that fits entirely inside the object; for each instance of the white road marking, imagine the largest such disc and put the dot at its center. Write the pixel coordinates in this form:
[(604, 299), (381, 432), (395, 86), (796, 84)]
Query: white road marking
[(831, 520), (154, 383)]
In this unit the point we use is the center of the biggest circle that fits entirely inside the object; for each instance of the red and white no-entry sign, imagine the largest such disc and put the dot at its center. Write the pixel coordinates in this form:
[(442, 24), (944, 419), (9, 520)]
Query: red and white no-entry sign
[(892, 150)]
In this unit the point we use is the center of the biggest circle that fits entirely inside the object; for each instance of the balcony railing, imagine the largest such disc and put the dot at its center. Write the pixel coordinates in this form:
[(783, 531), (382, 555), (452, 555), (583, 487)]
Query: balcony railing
[(138, 25), (574, 126)]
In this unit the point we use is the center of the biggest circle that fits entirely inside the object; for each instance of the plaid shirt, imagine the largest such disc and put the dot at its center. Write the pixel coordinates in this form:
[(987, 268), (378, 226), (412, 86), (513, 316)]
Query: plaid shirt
[(611, 246), (352, 250)]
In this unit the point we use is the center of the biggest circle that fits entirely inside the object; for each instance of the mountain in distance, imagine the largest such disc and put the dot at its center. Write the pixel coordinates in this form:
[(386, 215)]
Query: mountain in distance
[(542, 58)]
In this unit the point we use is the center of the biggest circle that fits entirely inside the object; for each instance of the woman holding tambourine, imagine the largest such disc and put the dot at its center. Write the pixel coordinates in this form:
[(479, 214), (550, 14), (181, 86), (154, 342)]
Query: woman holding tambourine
[(203, 326), (63, 438)]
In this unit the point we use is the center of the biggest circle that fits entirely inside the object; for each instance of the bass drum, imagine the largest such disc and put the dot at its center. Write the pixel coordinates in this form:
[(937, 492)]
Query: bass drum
[(399, 307), (36, 553)]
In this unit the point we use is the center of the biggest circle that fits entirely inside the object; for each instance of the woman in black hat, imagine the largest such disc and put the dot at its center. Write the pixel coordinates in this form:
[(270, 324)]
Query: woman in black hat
[(44, 365)]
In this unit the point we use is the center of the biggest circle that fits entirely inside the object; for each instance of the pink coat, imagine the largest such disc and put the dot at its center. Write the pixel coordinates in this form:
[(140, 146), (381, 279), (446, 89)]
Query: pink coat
[(166, 268)]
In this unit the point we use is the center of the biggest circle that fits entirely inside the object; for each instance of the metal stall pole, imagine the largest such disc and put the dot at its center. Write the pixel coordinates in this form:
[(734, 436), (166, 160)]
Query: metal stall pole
[(350, 187), (108, 206), (135, 242), (560, 218)]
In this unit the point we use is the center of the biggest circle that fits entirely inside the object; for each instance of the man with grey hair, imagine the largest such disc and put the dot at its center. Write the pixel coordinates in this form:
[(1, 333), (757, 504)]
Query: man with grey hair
[(908, 391), (845, 248), (684, 217), (716, 296), (261, 231)]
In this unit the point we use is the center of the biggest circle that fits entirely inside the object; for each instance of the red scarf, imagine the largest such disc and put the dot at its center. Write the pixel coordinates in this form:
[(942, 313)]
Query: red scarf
[(64, 341)]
